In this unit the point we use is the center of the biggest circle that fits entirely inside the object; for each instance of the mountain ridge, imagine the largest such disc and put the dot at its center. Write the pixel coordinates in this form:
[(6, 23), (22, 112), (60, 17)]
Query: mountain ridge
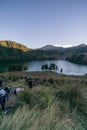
[(13, 44), (16, 45), (11, 51), (53, 47)]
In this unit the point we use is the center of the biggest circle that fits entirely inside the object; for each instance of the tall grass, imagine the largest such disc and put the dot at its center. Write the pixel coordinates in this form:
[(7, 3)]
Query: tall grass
[(39, 98), (55, 105), (30, 119), (73, 97)]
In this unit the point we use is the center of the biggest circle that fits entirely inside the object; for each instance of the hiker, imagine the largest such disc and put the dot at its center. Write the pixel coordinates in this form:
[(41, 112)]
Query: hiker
[(7, 89), (1, 81), (30, 83), (4, 94), (13, 91), (27, 78)]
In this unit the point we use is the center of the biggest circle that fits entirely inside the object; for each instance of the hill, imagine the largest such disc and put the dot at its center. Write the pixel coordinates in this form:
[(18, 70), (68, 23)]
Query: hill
[(15, 45), (78, 54), (52, 48), (63, 49), (11, 51)]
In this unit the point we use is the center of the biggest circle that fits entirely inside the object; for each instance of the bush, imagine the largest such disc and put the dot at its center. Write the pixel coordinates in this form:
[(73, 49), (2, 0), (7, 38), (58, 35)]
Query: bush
[(51, 80), (25, 68), (27, 97), (15, 68), (44, 80), (40, 99), (72, 96)]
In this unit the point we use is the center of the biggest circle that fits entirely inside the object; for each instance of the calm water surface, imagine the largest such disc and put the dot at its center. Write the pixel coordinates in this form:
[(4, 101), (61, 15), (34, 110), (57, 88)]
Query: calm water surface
[(68, 67)]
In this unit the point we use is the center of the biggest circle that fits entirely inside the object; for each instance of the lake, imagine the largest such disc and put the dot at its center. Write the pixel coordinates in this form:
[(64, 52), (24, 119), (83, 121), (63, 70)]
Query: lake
[(68, 67)]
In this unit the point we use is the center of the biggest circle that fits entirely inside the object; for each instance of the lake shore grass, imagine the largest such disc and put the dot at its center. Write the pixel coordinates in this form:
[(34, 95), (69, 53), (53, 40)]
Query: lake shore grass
[(57, 102)]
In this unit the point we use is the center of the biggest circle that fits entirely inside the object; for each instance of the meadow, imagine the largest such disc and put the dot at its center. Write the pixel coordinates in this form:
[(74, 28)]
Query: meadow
[(55, 102)]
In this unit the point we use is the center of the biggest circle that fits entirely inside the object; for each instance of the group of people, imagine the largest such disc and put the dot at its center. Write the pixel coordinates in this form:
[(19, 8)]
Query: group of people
[(5, 92), (4, 95)]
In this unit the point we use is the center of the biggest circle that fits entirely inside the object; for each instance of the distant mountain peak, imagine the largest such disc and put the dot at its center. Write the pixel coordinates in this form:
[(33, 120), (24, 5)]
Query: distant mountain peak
[(63, 46), (82, 45), (52, 48), (69, 46)]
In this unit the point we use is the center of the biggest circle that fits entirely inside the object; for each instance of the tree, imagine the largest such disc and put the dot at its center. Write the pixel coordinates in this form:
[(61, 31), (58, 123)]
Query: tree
[(61, 70), (52, 66), (45, 67)]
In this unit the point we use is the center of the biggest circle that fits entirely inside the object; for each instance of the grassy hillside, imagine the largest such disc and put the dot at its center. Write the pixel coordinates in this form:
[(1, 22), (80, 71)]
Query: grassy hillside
[(56, 102)]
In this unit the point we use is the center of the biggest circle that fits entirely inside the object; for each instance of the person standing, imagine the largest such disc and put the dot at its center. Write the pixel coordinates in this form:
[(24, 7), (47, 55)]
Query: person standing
[(30, 83)]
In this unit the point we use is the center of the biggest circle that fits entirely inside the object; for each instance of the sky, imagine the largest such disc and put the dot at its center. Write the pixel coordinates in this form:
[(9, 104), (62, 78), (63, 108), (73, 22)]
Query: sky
[(36, 23)]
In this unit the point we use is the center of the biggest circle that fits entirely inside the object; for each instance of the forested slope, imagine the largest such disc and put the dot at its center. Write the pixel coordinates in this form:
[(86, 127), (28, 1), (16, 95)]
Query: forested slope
[(12, 51)]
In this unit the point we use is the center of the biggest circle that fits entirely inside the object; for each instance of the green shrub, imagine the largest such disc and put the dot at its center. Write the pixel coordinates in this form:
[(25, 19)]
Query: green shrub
[(44, 80), (25, 68), (27, 97), (51, 80), (72, 96), (42, 100), (15, 68)]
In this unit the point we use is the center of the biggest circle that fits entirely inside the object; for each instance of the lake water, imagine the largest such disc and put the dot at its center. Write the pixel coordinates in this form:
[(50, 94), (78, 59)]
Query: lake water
[(68, 67)]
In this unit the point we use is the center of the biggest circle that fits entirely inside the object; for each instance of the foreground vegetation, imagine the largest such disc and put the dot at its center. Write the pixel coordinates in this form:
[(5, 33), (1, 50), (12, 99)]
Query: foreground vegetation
[(56, 102)]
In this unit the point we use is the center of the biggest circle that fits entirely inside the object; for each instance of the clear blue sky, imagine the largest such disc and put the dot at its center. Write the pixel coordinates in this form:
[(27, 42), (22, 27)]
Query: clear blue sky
[(36, 23)]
